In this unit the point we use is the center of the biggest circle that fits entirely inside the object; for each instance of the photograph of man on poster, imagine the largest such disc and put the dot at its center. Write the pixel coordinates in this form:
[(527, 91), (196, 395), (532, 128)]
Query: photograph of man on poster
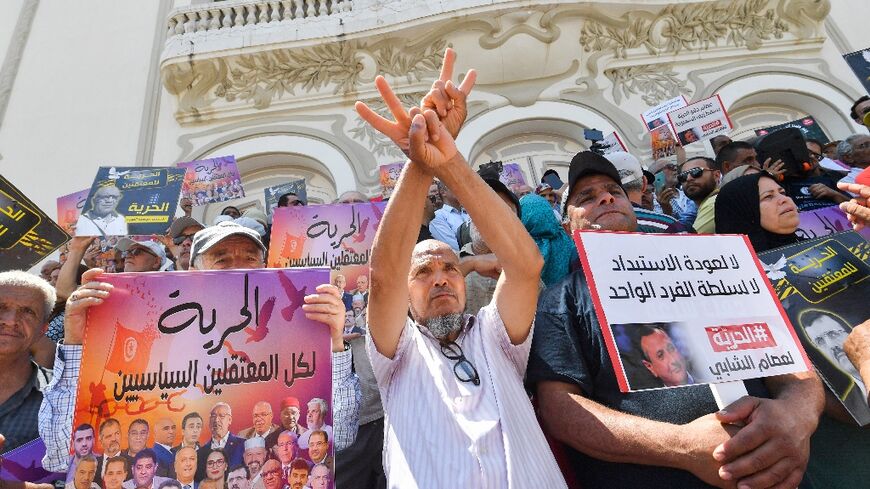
[(101, 218), (827, 332), (651, 356)]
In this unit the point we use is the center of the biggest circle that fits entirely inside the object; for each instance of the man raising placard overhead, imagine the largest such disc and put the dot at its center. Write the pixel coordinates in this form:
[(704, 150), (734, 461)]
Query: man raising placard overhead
[(479, 428)]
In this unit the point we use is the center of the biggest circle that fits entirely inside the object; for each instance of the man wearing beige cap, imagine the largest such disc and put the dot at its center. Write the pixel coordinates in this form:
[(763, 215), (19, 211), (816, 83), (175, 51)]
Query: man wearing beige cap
[(226, 246), (141, 256), (182, 231)]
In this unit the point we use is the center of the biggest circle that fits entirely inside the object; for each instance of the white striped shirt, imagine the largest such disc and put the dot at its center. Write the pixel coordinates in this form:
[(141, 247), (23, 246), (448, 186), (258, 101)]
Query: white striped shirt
[(441, 432)]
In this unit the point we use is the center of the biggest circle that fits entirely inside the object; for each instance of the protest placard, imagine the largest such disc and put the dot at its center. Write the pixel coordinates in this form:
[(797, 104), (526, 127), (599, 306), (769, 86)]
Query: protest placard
[(339, 237), (24, 464), (702, 315), (389, 175), (27, 234), (69, 208), (699, 121), (611, 144), (512, 176), (658, 115), (823, 286), (296, 187), (807, 125), (211, 180), (824, 222), (101, 253), (131, 201), (206, 345), (662, 142), (859, 61)]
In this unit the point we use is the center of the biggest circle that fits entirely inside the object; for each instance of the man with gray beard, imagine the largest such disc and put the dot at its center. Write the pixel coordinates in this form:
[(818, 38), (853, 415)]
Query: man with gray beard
[(463, 374)]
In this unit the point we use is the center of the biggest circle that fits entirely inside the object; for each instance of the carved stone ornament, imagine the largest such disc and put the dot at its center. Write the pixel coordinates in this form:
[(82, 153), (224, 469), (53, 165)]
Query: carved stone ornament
[(261, 78), (654, 83), (694, 26)]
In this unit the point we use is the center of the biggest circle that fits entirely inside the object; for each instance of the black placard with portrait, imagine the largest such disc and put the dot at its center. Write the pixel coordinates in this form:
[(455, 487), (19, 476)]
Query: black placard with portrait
[(823, 285)]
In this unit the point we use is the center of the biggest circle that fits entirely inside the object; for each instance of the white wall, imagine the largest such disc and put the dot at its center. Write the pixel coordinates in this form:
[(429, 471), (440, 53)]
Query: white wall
[(79, 95)]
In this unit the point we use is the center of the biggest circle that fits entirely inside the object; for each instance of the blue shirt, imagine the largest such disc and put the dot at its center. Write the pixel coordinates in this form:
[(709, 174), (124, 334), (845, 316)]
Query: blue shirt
[(445, 224)]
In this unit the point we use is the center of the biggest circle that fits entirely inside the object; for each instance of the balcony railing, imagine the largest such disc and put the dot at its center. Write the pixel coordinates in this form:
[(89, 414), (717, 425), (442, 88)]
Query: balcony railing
[(236, 14)]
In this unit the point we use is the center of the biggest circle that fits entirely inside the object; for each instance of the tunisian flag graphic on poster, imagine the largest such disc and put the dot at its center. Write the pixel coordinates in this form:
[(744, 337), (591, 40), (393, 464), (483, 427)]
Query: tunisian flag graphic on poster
[(130, 349)]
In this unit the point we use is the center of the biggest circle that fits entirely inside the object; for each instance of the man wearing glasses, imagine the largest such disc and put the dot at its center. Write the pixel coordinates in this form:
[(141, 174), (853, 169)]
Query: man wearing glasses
[(141, 256), (699, 178), (182, 231), (102, 219), (451, 384)]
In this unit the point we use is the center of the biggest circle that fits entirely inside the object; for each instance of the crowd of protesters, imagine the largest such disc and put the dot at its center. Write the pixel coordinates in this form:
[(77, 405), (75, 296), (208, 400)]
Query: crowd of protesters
[(485, 363)]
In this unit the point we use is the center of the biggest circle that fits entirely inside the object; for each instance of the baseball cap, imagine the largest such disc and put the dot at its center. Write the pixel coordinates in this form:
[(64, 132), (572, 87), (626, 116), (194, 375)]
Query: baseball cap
[(180, 224), (125, 244), (590, 163), (212, 235), (627, 165)]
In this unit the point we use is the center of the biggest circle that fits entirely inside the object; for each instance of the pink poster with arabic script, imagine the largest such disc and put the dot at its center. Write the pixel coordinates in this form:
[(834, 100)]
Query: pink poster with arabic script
[(172, 347), (336, 236)]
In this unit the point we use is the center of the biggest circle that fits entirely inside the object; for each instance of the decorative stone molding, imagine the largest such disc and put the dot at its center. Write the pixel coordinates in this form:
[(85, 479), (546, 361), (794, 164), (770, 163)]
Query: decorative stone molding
[(692, 27), (654, 83), (261, 78)]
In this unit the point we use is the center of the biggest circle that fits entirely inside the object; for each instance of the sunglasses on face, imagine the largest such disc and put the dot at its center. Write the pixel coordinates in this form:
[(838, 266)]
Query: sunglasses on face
[(136, 252), (694, 173), (181, 239), (816, 156)]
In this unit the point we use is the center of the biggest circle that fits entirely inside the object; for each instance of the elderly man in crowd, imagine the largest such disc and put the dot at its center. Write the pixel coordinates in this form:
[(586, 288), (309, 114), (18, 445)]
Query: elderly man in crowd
[(182, 231), (26, 302), (141, 256), (660, 438), (273, 477), (855, 151), (481, 429)]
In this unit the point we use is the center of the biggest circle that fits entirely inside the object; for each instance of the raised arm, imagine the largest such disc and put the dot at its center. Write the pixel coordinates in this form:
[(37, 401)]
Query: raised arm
[(66, 279), (394, 242), (517, 291)]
